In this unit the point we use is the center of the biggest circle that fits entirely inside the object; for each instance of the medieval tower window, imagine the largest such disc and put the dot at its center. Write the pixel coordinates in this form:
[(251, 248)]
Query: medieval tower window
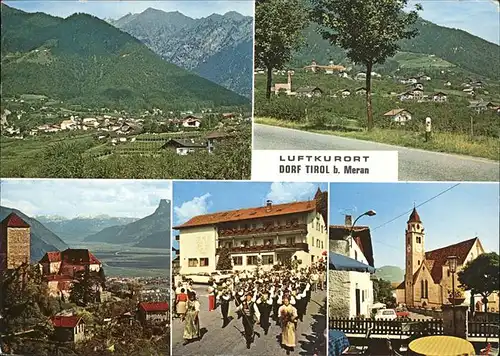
[(419, 240), (419, 262)]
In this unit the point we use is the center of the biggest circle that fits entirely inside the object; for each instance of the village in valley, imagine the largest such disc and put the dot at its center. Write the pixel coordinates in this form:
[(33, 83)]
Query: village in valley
[(379, 308), (431, 86), (419, 91), (32, 122), (125, 102), (68, 300)]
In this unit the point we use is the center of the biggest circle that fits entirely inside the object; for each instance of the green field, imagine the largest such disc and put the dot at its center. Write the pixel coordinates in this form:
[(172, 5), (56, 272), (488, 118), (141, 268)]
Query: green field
[(72, 155), (420, 60)]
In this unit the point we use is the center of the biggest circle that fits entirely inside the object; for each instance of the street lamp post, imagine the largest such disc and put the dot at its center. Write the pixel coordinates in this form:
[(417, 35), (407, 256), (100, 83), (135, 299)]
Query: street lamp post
[(452, 265), (368, 213)]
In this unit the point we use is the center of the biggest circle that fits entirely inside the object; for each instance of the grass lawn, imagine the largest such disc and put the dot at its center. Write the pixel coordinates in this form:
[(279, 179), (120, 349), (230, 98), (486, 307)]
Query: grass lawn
[(484, 147)]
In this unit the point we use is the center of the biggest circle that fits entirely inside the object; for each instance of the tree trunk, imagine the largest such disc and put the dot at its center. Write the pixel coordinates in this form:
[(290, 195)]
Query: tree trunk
[(269, 82), (369, 111)]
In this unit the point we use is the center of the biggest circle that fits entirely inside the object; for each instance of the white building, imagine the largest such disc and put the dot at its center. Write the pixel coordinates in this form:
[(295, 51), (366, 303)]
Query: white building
[(261, 236), (351, 293), (399, 115)]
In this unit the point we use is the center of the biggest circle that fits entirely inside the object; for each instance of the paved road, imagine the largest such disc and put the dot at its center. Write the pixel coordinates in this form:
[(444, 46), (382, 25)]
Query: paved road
[(414, 164), (217, 341)]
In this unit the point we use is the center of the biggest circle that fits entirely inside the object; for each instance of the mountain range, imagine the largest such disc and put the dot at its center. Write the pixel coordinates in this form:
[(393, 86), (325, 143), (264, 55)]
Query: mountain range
[(468, 52), (84, 60), (76, 229), (217, 47), (152, 231), (42, 239)]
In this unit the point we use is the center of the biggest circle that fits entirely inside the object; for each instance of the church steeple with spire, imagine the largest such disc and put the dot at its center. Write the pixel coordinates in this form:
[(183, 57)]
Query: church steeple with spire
[(415, 252)]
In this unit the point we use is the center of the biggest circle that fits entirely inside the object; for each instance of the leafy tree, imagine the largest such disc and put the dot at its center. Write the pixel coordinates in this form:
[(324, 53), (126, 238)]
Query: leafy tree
[(85, 288), (369, 31), (224, 262), (278, 26), (482, 276), (25, 307), (382, 292)]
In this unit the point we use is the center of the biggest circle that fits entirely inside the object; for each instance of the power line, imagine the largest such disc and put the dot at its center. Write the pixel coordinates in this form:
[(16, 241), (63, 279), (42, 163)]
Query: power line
[(419, 205), (406, 213)]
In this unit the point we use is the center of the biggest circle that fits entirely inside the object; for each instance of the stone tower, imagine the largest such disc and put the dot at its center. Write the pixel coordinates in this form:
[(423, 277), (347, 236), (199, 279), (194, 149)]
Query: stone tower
[(415, 253), (15, 244)]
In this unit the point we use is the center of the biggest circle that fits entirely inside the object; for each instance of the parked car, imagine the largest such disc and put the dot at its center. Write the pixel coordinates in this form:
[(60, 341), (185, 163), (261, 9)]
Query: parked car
[(402, 313), (205, 277), (386, 314)]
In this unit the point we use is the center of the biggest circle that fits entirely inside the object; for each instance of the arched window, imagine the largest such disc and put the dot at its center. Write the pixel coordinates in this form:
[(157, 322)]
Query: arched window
[(418, 240), (422, 291), (426, 290)]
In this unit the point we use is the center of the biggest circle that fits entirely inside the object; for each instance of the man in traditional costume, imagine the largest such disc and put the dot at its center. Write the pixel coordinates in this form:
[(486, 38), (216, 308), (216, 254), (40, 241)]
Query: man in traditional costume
[(224, 297), (265, 304), (288, 316), (250, 314)]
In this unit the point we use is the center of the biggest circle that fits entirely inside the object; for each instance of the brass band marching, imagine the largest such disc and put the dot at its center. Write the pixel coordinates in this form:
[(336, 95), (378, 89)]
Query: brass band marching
[(280, 295)]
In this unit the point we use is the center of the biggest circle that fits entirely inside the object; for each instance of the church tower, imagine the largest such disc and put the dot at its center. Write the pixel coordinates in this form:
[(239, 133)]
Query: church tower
[(415, 253)]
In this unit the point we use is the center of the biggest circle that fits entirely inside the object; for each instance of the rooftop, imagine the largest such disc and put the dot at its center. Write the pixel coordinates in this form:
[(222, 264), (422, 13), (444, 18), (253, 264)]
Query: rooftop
[(13, 220), (249, 213), (154, 306)]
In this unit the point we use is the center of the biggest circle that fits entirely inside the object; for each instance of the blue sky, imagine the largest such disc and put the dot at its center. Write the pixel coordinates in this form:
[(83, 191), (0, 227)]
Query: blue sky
[(78, 197), (192, 198), (117, 9), (464, 212), (479, 17)]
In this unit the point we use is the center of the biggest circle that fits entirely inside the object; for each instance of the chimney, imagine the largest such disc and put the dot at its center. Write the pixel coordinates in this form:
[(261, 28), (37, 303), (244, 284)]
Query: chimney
[(269, 205), (348, 220)]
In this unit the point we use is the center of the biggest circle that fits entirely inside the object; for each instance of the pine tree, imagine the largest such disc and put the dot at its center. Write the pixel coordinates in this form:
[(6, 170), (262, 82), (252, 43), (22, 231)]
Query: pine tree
[(224, 262)]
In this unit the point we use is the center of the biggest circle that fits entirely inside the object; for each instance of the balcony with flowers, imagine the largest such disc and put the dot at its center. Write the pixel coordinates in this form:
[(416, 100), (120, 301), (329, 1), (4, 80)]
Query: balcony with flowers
[(269, 247), (269, 229)]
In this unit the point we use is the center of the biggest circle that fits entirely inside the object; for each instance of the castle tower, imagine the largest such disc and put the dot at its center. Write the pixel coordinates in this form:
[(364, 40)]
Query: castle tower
[(14, 242), (415, 253)]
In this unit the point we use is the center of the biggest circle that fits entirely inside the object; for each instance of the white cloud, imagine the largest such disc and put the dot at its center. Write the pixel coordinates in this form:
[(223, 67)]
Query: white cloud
[(288, 192), (191, 208), (71, 198)]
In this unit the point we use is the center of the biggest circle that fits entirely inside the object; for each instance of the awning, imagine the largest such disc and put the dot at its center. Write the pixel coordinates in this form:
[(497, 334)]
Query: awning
[(339, 262)]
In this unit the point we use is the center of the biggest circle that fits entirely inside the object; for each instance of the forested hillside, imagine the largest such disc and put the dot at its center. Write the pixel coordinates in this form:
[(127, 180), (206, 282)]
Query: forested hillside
[(457, 47), (85, 60)]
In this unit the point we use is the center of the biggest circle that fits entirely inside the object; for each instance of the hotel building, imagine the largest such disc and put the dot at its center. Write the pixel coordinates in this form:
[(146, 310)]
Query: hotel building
[(261, 236)]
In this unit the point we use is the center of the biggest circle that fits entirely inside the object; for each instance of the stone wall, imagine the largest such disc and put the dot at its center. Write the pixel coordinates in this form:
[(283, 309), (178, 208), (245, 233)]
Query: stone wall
[(338, 294), (18, 246)]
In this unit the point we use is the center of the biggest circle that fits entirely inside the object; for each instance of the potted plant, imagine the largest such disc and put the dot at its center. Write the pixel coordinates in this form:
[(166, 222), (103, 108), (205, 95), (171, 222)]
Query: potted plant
[(457, 297)]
